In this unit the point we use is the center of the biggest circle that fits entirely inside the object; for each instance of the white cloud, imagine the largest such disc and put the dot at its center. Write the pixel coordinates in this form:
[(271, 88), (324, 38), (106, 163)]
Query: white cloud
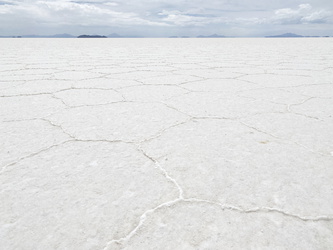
[(111, 4), (305, 6), (185, 18), (320, 16), (162, 15), (303, 14), (65, 12)]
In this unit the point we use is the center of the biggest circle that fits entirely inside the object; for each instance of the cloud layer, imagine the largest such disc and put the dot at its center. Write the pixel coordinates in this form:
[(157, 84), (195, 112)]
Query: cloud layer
[(164, 17)]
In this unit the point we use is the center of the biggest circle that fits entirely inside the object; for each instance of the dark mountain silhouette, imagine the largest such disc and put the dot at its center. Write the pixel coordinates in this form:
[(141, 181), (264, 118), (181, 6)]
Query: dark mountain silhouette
[(91, 36), (287, 35)]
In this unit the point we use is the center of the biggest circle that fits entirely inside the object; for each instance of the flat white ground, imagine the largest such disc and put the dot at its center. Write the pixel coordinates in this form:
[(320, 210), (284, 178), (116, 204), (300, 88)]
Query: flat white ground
[(166, 144)]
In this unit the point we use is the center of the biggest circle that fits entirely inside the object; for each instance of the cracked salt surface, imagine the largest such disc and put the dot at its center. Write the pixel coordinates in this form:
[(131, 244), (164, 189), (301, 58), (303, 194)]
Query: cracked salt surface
[(166, 144)]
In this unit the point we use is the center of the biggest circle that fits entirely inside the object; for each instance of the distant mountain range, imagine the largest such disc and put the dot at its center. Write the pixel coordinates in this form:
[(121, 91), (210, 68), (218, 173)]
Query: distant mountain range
[(211, 36), (91, 36), (179, 37), (41, 36), (292, 35), (286, 35), (200, 36), (115, 35)]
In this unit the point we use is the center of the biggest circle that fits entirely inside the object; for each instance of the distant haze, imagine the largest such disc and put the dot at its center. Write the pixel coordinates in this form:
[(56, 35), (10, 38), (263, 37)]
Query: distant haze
[(162, 18)]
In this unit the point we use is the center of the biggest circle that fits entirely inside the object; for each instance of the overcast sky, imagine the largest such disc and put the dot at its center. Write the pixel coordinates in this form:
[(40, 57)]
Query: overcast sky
[(166, 17)]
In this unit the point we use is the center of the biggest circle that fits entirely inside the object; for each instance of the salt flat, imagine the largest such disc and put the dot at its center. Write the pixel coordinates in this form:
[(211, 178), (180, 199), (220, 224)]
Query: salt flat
[(166, 143)]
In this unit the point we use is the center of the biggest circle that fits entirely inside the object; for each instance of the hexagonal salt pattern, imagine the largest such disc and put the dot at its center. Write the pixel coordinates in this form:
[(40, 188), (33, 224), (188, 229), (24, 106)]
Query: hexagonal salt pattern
[(166, 144)]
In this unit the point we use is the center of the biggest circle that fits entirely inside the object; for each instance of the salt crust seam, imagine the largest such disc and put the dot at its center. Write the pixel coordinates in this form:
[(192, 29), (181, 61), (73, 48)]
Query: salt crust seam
[(181, 198)]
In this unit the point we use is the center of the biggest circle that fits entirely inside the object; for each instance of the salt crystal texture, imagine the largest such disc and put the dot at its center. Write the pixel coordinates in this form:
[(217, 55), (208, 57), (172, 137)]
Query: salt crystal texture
[(166, 143)]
